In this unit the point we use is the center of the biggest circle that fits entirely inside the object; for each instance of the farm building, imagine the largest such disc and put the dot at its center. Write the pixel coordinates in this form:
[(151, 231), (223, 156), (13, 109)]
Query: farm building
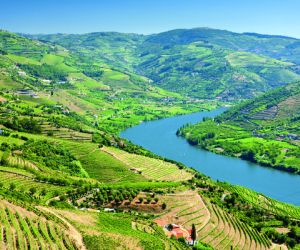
[(111, 210), (177, 231)]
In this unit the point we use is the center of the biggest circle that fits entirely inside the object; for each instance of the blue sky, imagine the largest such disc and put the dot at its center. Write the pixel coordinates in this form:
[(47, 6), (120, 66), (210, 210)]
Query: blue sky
[(279, 17)]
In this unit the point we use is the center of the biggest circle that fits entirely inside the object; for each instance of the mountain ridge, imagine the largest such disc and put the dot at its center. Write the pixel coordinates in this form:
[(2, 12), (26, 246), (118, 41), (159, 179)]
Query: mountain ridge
[(155, 33), (195, 62)]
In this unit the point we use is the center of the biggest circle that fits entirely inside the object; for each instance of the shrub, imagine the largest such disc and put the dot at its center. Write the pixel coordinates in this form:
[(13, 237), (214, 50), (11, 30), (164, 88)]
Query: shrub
[(32, 190), (12, 186)]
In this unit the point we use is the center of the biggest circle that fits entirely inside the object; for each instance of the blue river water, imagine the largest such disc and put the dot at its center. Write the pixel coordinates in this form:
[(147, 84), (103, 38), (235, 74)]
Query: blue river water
[(160, 137)]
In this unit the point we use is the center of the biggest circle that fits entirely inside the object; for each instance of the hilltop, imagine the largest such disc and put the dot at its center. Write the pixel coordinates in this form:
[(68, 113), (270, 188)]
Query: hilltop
[(201, 63)]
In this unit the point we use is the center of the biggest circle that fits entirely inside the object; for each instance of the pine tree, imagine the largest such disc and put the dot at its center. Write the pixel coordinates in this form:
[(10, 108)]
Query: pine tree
[(193, 233)]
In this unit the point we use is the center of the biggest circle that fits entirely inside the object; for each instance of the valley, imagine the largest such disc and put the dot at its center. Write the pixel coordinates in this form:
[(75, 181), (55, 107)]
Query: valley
[(264, 130), (90, 159)]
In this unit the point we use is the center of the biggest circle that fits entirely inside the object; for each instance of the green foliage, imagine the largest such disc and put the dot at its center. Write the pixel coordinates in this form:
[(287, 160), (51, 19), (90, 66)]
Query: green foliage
[(44, 71), (26, 124), (100, 165), (16, 44), (52, 156), (194, 232), (105, 241), (121, 224), (263, 130), (202, 246), (5, 156), (254, 209), (234, 141), (104, 95), (209, 62)]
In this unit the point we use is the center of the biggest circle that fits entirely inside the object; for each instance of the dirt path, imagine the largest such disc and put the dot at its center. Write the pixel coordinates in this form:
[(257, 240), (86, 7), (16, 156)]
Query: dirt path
[(52, 199), (73, 232), (278, 247)]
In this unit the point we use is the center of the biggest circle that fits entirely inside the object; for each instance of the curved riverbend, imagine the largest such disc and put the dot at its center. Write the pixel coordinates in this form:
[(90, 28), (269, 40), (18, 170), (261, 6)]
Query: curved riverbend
[(160, 137)]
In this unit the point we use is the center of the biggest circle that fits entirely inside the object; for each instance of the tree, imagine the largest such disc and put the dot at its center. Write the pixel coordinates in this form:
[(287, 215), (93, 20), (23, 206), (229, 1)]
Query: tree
[(32, 190), (117, 199), (55, 193), (181, 239), (291, 242), (43, 192), (194, 233), (12, 186), (50, 133), (164, 206), (5, 156), (248, 155), (141, 199), (62, 198)]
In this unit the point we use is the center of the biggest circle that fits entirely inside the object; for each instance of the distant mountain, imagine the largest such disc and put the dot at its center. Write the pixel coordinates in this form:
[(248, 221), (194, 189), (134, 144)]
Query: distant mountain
[(201, 62), (112, 48)]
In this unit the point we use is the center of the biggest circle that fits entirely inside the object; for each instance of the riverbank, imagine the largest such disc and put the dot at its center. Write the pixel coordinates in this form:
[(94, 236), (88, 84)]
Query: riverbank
[(233, 141), (160, 137)]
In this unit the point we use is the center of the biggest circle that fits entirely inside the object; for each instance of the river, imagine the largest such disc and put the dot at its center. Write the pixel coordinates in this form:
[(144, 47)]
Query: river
[(160, 137)]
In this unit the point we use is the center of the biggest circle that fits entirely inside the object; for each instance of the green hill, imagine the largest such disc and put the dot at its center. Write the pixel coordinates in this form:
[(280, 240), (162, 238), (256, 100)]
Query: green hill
[(201, 63), (98, 90), (263, 130)]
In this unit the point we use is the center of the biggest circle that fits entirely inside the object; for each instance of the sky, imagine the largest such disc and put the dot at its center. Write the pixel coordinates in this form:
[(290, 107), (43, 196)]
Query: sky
[(277, 17)]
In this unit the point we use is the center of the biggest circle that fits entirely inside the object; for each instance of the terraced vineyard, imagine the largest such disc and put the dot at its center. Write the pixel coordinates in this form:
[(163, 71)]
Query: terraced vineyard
[(152, 229), (23, 229), (289, 107), (267, 114), (21, 163), (65, 133), (214, 226), (261, 201), (27, 183), (185, 208), (150, 168)]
